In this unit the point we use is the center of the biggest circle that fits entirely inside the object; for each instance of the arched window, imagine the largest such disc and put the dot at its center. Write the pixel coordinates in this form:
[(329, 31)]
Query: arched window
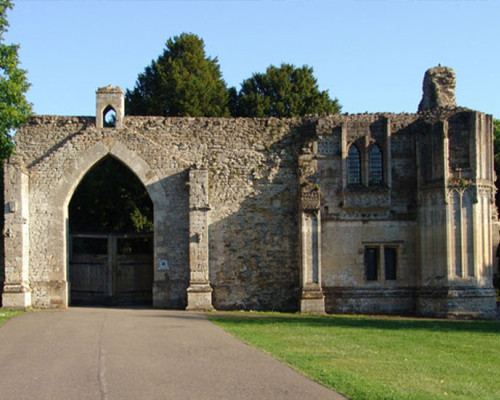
[(353, 166), (109, 117), (375, 159)]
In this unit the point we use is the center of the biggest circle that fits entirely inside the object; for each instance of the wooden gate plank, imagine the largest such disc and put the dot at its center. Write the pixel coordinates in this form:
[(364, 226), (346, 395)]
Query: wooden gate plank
[(111, 278)]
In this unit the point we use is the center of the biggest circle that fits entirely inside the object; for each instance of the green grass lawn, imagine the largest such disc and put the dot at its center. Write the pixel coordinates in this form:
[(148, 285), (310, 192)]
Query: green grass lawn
[(380, 358), (5, 315)]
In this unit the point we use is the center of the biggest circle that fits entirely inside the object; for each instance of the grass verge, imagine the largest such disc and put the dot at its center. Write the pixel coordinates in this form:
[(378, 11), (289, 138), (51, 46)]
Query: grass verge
[(380, 358), (5, 315)]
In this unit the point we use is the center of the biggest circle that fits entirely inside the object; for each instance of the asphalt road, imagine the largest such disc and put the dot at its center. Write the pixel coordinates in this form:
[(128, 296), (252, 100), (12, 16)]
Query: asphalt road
[(107, 354)]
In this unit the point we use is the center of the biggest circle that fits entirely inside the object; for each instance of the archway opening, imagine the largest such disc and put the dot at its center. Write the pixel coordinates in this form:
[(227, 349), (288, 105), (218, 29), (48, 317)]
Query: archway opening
[(109, 117), (110, 238)]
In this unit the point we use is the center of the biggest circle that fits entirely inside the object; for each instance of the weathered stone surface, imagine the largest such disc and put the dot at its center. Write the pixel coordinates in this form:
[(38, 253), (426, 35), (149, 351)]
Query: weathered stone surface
[(438, 89), (199, 292), (259, 214), (110, 98)]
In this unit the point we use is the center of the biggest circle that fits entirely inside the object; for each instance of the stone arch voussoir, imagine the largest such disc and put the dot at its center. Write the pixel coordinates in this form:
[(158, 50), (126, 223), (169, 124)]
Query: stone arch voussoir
[(77, 167)]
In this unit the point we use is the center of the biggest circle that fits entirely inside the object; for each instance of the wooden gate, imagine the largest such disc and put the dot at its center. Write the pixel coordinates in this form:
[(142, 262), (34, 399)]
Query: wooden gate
[(111, 269)]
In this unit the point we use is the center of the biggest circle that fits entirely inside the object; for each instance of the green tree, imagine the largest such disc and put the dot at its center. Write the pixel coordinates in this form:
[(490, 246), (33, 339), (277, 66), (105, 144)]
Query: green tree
[(286, 91), (183, 81), (110, 198), (14, 108)]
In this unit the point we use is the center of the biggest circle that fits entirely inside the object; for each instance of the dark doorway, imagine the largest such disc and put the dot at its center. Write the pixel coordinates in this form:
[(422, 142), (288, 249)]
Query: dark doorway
[(111, 269), (111, 238)]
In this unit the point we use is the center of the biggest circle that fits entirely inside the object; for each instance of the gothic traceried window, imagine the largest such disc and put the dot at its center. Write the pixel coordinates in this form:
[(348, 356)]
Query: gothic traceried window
[(375, 160), (353, 166)]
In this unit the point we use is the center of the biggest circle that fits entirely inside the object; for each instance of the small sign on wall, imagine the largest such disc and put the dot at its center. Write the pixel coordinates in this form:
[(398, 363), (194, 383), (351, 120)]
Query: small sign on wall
[(163, 265)]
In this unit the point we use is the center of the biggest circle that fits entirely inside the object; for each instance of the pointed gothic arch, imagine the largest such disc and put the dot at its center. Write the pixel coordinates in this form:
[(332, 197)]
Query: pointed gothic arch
[(74, 171), (109, 117), (77, 167)]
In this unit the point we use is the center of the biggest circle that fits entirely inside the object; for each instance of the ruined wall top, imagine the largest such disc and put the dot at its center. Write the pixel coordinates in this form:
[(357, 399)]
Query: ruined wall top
[(438, 89), (110, 100), (110, 89)]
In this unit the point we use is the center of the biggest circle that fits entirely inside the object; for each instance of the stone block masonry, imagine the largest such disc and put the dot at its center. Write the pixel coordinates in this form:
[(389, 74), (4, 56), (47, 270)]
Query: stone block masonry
[(372, 213), (199, 292)]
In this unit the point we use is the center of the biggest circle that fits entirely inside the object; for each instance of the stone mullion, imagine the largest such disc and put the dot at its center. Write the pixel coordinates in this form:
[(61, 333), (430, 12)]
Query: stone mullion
[(381, 272), (343, 144), (387, 157)]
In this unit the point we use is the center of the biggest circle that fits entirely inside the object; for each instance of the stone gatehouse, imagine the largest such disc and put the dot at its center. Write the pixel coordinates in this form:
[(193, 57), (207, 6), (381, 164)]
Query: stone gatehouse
[(372, 213)]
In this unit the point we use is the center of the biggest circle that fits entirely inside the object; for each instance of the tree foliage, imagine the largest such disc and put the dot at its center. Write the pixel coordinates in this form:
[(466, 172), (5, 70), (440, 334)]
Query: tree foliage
[(286, 91), (183, 81), (110, 198), (14, 108)]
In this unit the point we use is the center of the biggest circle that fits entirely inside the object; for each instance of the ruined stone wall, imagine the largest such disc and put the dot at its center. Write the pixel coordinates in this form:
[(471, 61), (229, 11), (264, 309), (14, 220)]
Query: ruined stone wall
[(371, 213), (367, 214), (456, 204), (262, 233), (252, 194)]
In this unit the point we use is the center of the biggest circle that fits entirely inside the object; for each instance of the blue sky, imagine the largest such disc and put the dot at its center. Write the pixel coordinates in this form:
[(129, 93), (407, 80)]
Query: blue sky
[(370, 54)]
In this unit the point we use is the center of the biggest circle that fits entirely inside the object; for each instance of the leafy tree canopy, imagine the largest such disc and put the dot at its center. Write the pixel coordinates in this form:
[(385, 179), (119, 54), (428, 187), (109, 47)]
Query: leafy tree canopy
[(286, 91), (110, 198), (183, 81), (14, 108)]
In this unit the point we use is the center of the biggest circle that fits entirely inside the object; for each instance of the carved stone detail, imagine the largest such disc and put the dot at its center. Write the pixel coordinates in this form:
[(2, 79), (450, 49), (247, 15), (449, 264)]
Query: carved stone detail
[(310, 197), (367, 199)]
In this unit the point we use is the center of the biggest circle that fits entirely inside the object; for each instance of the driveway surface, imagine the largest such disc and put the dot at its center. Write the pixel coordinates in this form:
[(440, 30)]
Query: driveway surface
[(99, 353)]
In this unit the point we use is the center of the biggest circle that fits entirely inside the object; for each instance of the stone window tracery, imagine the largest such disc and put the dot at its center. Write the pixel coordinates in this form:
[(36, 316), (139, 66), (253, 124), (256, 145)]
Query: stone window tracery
[(353, 166), (375, 165)]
